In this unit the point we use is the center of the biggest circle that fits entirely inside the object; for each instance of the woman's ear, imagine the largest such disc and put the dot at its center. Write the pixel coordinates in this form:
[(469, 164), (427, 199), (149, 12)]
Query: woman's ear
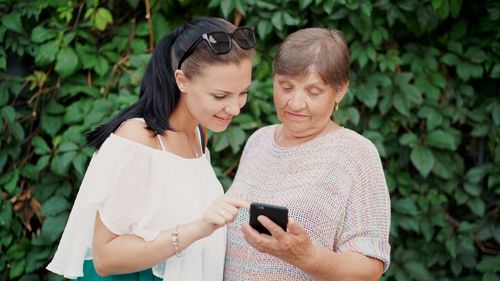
[(181, 80), (342, 91)]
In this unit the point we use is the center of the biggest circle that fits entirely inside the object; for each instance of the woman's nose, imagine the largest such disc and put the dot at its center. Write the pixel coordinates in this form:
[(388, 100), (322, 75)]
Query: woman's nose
[(297, 101), (233, 108)]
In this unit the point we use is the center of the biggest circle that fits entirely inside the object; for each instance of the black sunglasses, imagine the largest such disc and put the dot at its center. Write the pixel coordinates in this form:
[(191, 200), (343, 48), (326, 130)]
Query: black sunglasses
[(220, 41)]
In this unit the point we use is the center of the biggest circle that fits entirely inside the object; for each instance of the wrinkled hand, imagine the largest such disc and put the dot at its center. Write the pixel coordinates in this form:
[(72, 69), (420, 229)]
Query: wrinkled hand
[(293, 246), (222, 211)]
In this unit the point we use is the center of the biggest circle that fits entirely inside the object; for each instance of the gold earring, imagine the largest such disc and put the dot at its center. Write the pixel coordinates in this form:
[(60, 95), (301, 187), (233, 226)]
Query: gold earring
[(336, 106)]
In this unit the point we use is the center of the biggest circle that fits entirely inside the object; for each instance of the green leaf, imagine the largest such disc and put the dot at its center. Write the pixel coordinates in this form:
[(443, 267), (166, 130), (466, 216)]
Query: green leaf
[(133, 3), (11, 184), (36, 259), (40, 145), (328, 7), (227, 6), (475, 174), (46, 53), (80, 162), (18, 251), (450, 59), (477, 206), (466, 70), (67, 146), (13, 22), (490, 277), (418, 271), (30, 277), (495, 113), (401, 104), (40, 34), (459, 30), (236, 138), (455, 6), (409, 139), (422, 158), (304, 3), (480, 130), (366, 8), (17, 131), (53, 227), (436, 4), (405, 206), (489, 264), (495, 71), (368, 94), (5, 215), (264, 28), (277, 20), (9, 114), (17, 268), (61, 162), (67, 62), (441, 139), (350, 114), (472, 189), (3, 65), (51, 124), (221, 141), (68, 38), (42, 163), (101, 66), (55, 206), (451, 246), (102, 18)]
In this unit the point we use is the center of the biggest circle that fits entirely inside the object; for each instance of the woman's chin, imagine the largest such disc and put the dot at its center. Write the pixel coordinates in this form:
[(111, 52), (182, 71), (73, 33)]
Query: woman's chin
[(217, 128)]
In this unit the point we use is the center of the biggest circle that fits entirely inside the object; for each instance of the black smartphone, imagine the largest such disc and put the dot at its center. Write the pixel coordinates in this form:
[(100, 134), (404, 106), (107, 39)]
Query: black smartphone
[(278, 214)]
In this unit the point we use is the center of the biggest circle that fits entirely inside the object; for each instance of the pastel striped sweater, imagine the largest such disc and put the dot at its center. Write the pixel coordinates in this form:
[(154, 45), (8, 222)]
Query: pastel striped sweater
[(333, 185)]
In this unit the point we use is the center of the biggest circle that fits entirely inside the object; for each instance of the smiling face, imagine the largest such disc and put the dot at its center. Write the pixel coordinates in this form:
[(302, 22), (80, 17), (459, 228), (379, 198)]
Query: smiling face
[(217, 94), (304, 104)]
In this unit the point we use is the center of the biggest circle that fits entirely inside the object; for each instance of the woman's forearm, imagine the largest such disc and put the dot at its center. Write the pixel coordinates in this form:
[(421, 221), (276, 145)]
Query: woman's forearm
[(130, 253), (324, 264)]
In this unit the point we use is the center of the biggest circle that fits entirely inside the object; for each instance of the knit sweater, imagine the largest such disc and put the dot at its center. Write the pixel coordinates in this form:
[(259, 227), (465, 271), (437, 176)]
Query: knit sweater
[(333, 185)]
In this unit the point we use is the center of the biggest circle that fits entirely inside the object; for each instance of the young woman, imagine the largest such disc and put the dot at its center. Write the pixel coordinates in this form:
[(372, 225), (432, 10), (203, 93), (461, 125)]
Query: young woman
[(150, 206)]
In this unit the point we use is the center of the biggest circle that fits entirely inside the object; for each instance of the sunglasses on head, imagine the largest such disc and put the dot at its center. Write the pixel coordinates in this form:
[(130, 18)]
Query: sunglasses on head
[(220, 41)]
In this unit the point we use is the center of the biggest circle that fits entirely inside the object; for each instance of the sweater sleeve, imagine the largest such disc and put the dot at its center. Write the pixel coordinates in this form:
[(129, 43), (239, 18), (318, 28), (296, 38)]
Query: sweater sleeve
[(367, 216)]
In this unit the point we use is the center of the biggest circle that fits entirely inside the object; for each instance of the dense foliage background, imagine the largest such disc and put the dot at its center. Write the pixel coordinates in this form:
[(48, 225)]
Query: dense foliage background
[(424, 88)]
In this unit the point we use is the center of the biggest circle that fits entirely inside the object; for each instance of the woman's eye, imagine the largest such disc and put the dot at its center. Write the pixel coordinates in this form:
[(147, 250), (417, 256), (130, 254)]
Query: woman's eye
[(219, 97), (314, 93), (243, 93)]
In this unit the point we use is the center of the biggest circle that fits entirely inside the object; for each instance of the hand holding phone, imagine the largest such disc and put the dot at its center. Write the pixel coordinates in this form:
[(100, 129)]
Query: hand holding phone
[(278, 214)]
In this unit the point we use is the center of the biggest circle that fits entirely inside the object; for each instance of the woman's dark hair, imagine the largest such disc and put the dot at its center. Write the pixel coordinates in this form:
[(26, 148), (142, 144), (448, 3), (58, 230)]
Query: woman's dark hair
[(159, 93), (324, 49)]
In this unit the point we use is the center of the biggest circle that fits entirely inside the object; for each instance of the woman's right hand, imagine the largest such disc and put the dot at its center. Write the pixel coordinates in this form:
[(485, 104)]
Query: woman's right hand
[(221, 212)]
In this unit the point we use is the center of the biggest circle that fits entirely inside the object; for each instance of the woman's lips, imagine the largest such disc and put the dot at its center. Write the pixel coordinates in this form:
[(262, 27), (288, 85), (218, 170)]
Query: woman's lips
[(226, 120), (295, 116)]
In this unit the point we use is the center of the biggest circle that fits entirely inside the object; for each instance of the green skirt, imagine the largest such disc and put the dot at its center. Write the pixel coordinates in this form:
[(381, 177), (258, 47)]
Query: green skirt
[(89, 274)]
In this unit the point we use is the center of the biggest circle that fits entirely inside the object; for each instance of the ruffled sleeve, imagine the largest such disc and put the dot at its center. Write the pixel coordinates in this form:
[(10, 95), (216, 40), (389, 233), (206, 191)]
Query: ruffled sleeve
[(117, 184), (367, 219)]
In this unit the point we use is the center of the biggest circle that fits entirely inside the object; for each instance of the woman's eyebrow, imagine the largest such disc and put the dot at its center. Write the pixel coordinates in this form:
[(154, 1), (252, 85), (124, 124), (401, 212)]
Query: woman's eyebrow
[(228, 92)]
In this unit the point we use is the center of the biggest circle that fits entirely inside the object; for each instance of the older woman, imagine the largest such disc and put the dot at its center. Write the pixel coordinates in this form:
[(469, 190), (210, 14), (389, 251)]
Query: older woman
[(330, 178)]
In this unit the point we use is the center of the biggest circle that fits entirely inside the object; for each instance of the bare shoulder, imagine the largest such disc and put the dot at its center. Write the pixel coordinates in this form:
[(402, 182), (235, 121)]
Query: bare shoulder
[(136, 130)]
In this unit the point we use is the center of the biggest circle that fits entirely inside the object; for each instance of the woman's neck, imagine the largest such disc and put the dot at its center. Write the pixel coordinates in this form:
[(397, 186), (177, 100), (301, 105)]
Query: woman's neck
[(287, 138), (181, 120)]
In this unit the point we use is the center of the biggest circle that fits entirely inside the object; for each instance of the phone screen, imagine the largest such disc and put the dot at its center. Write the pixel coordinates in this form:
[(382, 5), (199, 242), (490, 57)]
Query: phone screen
[(278, 214)]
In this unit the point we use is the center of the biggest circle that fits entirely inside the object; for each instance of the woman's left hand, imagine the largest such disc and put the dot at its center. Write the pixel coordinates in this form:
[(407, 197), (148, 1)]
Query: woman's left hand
[(292, 246)]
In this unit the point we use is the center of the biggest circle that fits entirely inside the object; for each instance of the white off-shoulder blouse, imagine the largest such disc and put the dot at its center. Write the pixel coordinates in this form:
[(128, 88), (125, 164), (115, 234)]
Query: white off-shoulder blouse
[(141, 190)]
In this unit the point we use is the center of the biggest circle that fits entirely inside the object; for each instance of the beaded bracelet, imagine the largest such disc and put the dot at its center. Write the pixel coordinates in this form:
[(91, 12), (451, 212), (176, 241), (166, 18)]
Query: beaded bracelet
[(175, 241)]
